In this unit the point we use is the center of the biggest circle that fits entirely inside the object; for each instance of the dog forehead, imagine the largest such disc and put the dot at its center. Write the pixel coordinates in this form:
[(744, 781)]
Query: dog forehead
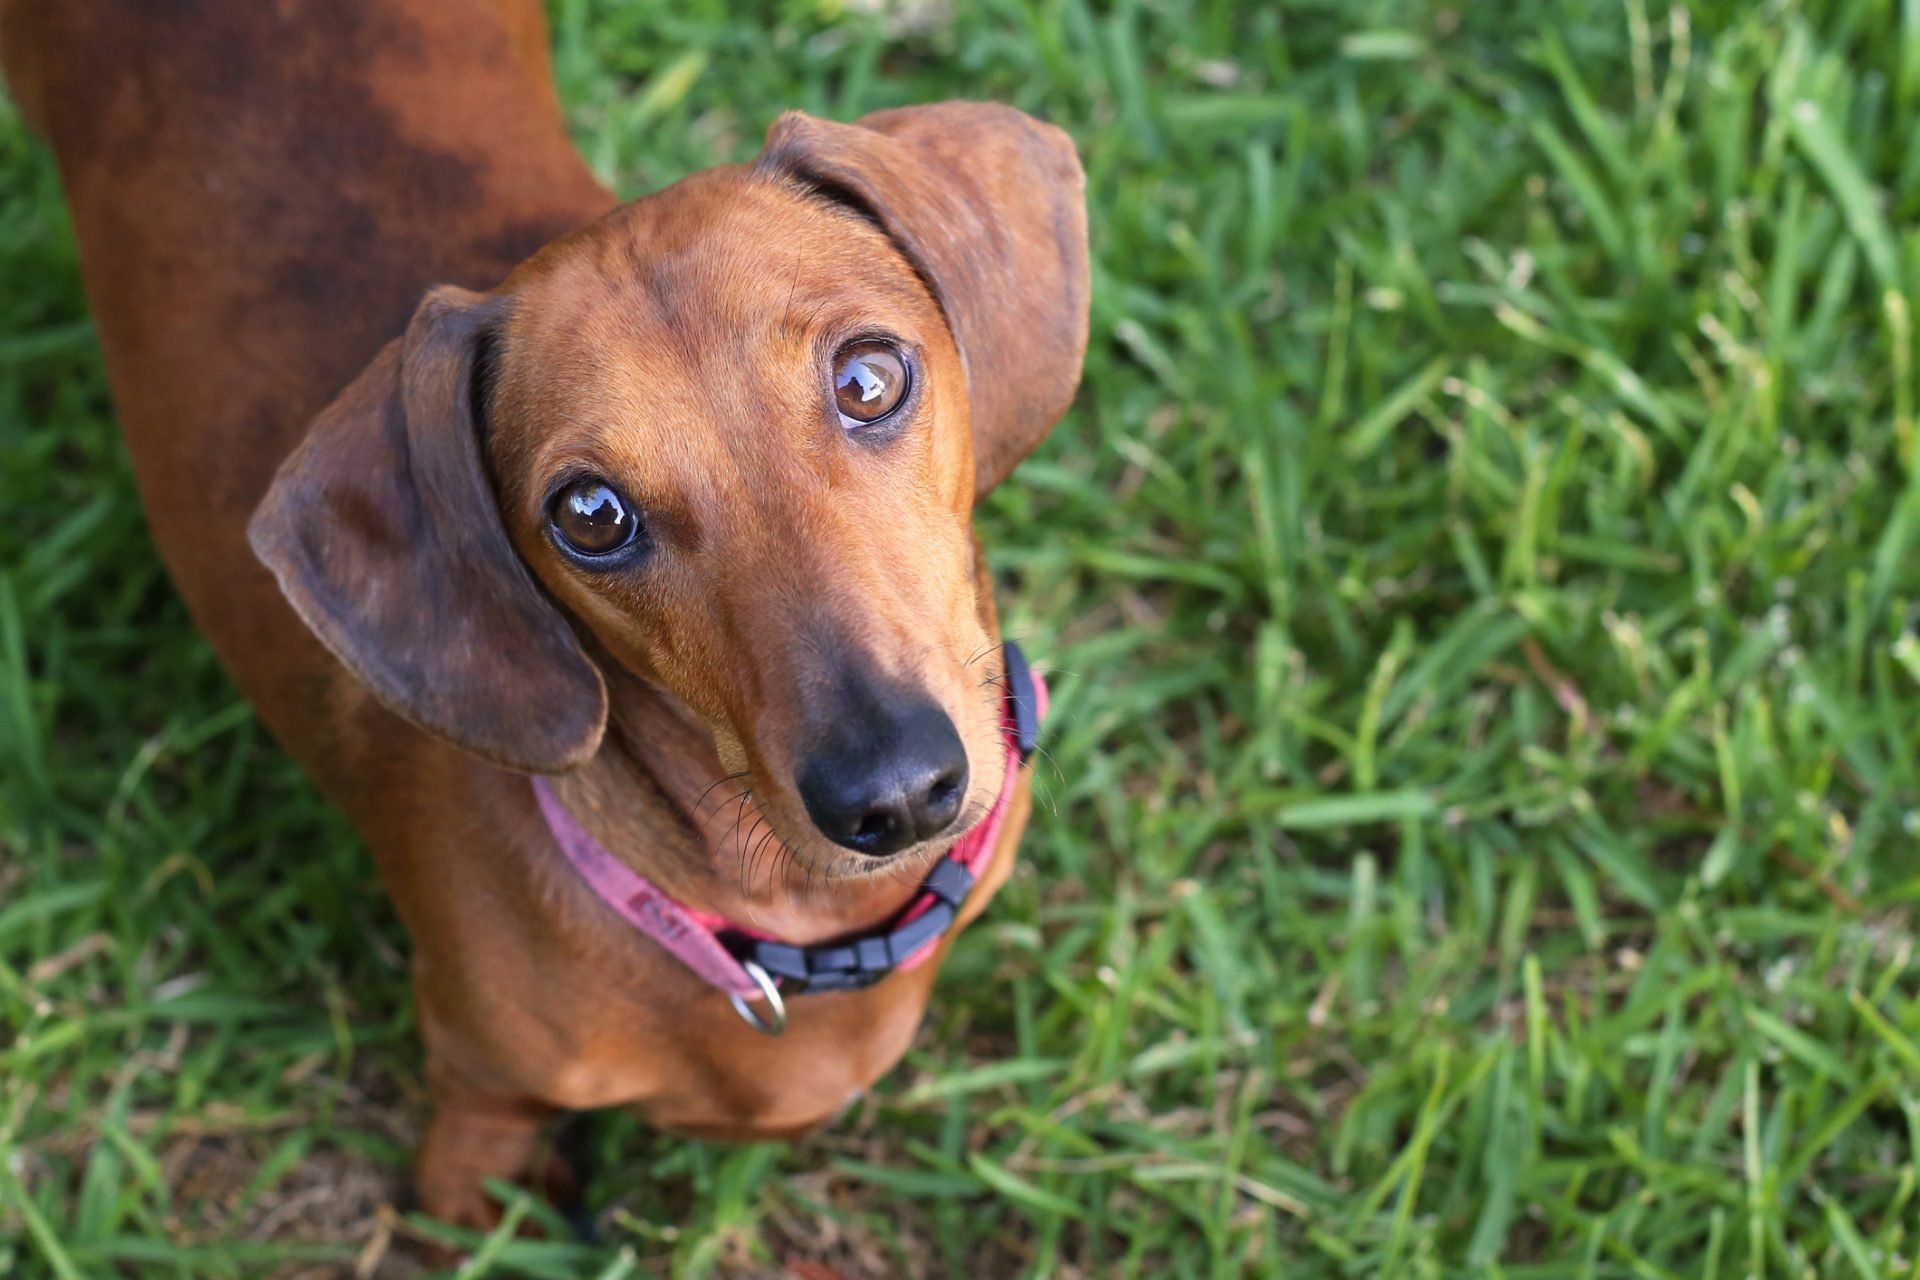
[(722, 252)]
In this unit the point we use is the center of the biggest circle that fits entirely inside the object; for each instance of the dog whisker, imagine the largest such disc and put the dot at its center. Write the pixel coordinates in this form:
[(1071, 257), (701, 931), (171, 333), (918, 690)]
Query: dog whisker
[(717, 783), (979, 653), (740, 814), (762, 845), (786, 312), (743, 867)]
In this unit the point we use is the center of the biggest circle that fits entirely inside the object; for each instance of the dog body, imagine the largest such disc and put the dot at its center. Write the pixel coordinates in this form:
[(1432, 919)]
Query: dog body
[(262, 192)]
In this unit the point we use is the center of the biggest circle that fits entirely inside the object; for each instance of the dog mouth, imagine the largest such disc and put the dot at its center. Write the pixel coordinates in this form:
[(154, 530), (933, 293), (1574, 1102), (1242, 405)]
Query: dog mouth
[(913, 861), (770, 834), (774, 844)]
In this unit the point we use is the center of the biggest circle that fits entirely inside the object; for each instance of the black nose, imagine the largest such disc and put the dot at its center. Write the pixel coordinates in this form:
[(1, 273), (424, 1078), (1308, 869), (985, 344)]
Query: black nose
[(887, 782)]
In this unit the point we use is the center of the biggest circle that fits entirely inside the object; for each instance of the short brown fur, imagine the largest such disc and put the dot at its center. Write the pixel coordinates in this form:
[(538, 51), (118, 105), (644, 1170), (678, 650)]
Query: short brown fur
[(263, 190)]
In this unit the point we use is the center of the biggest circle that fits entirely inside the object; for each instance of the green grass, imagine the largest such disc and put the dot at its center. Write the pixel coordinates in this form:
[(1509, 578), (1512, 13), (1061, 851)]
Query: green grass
[(1481, 812)]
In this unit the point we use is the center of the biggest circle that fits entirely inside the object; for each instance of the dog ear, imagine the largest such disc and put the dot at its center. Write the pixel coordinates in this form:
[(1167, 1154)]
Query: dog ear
[(989, 206), (383, 532)]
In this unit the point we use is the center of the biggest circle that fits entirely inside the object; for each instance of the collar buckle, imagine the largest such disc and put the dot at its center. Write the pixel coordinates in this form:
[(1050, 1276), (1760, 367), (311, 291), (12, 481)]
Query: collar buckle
[(857, 963)]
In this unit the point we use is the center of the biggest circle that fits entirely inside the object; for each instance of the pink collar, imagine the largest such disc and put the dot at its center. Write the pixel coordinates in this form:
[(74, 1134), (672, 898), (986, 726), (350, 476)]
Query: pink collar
[(749, 965)]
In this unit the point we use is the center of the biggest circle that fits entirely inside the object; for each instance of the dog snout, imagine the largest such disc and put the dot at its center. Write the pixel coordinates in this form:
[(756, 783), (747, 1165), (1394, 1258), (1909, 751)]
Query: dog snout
[(894, 779)]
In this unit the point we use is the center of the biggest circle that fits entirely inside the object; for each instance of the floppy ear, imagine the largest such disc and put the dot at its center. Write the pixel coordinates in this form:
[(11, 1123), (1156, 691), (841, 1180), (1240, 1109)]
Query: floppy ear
[(383, 532), (989, 206)]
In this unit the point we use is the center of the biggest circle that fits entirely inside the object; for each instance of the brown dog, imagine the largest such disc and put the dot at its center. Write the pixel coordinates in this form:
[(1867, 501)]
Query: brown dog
[(687, 498)]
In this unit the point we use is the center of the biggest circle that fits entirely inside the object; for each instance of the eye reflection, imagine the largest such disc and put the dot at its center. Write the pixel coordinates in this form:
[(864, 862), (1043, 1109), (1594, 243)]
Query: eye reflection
[(592, 518), (870, 379)]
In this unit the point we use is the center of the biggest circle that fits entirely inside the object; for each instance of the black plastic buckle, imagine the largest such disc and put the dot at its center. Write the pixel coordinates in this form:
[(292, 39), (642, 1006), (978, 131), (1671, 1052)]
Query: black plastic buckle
[(860, 962)]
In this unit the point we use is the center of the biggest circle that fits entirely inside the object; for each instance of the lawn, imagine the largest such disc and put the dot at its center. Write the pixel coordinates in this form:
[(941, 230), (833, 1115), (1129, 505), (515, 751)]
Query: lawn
[(1481, 568)]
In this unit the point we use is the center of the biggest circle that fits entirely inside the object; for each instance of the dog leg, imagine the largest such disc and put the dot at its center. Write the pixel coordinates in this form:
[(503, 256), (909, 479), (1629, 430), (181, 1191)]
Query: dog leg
[(477, 1134)]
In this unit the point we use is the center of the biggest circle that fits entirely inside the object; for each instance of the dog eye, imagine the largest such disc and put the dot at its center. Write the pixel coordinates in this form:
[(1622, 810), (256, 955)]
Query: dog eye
[(870, 379), (592, 519)]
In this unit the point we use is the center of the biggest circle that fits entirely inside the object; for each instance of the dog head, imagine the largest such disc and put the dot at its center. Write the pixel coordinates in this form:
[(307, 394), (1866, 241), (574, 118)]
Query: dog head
[(729, 437)]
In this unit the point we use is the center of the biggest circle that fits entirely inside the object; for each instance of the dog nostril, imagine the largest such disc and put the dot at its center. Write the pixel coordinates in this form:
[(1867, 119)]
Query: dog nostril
[(943, 803), (874, 829)]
